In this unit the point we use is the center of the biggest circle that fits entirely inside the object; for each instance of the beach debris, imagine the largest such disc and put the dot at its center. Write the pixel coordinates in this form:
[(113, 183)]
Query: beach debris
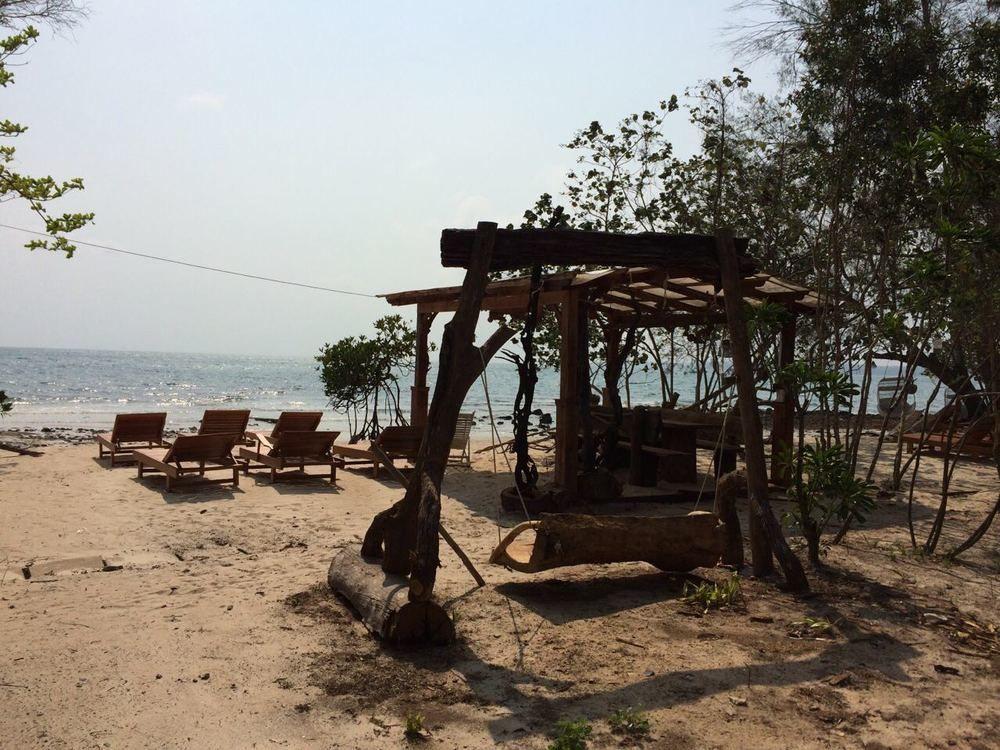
[(47, 569), (945, 669), (840, 680)]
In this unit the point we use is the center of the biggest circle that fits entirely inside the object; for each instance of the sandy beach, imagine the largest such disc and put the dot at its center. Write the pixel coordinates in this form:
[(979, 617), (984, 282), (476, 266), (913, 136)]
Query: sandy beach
[(211, 626)]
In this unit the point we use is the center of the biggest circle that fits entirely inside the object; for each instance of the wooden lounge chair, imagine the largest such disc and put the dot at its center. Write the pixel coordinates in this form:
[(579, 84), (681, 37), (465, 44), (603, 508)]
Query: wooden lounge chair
[(289, 421), (130, 432), (974, 440), (462, 440), (292, 449), (192, 454), (397, 442), (224, 422)]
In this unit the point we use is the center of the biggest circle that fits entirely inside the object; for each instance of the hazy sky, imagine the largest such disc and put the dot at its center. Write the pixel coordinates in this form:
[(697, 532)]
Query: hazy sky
[(321, 142)]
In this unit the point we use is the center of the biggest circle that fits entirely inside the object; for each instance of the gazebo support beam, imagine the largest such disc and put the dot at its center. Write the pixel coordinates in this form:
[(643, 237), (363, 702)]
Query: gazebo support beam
[(760, 507), (419, 391), (567, 459), (783, 416)]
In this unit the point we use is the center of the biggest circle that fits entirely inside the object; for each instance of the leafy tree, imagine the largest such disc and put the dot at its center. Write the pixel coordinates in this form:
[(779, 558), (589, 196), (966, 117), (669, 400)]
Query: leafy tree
[(824, 486), (37, 192), (361, 375)]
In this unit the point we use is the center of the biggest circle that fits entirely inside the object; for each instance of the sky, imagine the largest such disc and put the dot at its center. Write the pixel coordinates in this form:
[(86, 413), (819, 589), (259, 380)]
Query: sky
[(326, 143)]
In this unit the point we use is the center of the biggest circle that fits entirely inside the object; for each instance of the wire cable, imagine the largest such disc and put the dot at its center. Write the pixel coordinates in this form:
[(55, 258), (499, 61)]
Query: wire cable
[(198, 266)]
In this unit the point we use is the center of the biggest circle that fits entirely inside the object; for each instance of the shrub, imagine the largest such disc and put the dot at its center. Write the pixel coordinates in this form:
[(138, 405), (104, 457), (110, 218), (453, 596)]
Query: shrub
[(629, 722), (710, 595), (571, 735)]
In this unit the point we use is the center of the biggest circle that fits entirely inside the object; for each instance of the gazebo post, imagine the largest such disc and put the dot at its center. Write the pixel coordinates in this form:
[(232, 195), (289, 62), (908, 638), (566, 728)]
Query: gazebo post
[(783, 416), (419, 391), (567, 459), (761, 513)]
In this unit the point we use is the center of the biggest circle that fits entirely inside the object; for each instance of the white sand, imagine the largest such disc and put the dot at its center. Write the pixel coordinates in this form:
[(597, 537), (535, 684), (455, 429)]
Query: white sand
[(219, 632)]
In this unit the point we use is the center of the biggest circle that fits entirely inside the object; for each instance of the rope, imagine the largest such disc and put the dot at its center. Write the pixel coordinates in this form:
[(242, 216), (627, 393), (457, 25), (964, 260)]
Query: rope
[(496, 433), (198, 266), (718, 444)]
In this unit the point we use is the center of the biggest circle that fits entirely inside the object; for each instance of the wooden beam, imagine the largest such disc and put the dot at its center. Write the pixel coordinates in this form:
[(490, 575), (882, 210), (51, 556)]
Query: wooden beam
[(669, 319), (567, 411), (783, 415), (508, 303), (753, 440), (681, 254), (419, 390)]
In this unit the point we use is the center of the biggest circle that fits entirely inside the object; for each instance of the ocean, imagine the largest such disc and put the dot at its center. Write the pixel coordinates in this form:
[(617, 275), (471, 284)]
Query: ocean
[(83, 389)]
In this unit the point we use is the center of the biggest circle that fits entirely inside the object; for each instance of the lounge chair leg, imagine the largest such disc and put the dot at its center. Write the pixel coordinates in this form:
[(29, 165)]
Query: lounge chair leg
[(274, 475), (236, 477), (139, 464), (333, 473), (170, 484)]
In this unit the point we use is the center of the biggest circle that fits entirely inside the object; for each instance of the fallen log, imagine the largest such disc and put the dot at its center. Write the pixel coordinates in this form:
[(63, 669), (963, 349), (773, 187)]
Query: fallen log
[(20, 450), (678, 543), (382, 601)]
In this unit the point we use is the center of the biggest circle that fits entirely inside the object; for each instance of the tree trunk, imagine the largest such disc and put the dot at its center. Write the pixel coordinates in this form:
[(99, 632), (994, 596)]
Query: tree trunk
[(726, 489), (760, 506), (405, 536), (380, 599), (679, 543)]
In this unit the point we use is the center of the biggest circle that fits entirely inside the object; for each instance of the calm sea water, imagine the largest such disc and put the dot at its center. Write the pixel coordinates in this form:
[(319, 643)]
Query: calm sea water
[(68, 388)]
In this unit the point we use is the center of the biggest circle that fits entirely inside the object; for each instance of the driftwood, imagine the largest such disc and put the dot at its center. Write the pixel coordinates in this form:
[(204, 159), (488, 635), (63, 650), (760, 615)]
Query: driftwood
[(726, 490), (679, 543), (401, 478), (405, 536), (20, 450), (380, 599), (765, 531), (682, 254)]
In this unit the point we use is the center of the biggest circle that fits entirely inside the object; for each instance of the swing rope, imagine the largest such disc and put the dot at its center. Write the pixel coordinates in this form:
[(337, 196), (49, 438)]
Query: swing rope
[(496, 441)]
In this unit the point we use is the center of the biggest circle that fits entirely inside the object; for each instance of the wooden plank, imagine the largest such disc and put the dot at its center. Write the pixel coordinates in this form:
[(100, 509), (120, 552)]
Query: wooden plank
[(521, 248), (657, 451)]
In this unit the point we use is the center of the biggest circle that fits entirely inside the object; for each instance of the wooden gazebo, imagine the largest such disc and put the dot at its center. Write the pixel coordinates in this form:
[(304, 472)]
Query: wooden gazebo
[(678, 285), (646, 279)]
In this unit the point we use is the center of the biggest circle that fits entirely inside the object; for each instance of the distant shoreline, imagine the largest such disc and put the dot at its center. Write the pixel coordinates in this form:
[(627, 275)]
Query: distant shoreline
[(38, 437)]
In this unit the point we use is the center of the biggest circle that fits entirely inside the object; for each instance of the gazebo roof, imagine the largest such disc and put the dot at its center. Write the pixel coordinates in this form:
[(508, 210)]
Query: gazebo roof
[(657, 298)]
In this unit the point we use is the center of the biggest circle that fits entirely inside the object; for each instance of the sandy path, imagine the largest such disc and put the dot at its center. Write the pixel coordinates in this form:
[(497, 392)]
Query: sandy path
[(218, 631)]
